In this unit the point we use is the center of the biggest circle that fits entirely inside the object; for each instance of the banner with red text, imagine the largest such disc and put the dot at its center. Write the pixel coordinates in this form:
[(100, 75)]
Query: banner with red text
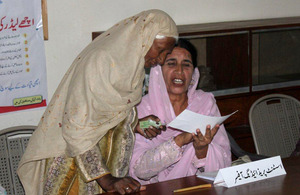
[(23, 82)]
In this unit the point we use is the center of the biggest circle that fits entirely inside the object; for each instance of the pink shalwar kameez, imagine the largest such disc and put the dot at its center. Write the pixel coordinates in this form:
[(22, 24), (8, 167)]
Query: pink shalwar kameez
[(160, 159)]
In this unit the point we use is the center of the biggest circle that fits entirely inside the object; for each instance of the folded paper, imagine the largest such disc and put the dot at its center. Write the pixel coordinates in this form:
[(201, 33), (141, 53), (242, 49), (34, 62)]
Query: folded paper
[(189, 121)]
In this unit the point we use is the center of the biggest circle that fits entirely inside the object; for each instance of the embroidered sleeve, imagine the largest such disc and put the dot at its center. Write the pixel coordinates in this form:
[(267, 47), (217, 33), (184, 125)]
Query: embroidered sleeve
[(157, 159), (91, 164)]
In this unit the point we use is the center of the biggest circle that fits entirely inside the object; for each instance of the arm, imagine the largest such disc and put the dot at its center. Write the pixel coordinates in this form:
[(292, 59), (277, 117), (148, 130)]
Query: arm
[(154, 160), (93, 167), (218, 154), (91, 164)]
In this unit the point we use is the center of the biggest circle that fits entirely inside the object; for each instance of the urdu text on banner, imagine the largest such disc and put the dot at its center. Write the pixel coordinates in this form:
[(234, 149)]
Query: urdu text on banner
[(23, 82)]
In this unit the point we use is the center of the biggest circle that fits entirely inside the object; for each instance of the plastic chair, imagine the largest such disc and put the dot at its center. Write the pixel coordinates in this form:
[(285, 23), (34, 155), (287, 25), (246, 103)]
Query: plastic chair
[(275, 124), (13, 142)]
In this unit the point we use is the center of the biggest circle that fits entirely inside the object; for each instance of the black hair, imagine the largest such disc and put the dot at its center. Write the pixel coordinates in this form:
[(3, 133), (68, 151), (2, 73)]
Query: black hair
[(184, 43)]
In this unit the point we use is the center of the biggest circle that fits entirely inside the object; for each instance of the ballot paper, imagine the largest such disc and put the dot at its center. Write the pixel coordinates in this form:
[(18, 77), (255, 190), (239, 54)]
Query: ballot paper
[(246, 173), (189, 121)]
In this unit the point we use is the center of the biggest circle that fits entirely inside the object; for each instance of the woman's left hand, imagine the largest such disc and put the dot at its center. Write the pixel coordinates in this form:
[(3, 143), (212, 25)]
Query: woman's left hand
[(201, 142)]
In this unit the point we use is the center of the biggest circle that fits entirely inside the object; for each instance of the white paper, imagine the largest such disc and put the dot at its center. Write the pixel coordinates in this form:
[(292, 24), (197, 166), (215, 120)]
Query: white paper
[(189, 121), (250, 172), (208, 175)]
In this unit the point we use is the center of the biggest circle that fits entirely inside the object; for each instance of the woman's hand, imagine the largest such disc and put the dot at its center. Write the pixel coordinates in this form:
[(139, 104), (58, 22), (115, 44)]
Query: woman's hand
[(125, 185), (201, 142), (150, 132), (183, 138)]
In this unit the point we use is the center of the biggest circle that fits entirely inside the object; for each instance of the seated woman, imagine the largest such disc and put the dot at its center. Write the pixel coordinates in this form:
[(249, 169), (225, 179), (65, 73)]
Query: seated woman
[(173, 153)]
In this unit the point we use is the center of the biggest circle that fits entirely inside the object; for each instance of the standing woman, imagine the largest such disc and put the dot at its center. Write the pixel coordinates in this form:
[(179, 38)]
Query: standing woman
[(84, 141)]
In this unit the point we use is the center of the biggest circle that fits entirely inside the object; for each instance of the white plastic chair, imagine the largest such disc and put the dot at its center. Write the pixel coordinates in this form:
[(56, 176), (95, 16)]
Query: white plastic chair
[(13, 142), (275, 124)]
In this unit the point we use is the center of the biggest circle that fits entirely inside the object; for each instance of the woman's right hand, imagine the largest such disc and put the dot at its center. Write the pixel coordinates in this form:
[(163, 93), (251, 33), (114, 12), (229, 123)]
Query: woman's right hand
[(183, 139), (125, 185), (150, 132)]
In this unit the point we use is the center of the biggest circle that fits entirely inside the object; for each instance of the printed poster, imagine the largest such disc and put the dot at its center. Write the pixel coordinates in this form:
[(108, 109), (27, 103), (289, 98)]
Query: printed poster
[(23, 83)]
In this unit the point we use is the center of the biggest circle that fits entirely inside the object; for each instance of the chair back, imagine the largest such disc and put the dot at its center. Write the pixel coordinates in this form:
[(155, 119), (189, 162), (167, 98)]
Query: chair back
[(13, 142), (275, 124)]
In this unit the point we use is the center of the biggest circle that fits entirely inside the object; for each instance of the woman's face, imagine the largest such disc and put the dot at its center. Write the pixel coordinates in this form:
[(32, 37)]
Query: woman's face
[(158, 51), (177, 71)]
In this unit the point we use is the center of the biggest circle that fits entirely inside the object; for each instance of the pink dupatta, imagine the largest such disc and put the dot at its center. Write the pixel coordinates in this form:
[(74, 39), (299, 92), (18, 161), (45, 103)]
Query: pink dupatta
[(157, 102)]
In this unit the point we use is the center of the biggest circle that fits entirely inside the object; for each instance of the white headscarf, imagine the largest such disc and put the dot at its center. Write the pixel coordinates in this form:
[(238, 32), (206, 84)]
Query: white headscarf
[(99, 89)]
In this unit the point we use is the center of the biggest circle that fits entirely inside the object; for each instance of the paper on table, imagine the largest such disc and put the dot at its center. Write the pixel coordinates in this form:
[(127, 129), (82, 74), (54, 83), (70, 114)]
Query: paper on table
[(208, 175), (189, 121)]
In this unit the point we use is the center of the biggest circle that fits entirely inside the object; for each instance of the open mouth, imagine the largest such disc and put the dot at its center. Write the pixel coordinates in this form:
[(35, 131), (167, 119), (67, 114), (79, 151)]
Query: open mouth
[(178, 81)]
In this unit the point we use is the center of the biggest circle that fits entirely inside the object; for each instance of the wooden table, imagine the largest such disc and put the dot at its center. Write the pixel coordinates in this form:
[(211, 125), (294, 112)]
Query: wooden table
[(288, 184)]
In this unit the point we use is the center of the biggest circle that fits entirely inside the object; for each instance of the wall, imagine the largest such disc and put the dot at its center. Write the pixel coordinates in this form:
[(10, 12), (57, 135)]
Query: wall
[(71, 24)]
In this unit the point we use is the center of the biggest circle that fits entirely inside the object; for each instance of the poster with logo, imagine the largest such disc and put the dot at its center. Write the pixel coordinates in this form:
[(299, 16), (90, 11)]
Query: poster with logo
[(23, 82)]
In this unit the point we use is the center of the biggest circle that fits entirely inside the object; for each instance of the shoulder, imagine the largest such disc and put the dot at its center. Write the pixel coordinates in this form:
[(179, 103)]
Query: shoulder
[(204, 96), (145, 101), (203, 103), (144, 107)]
